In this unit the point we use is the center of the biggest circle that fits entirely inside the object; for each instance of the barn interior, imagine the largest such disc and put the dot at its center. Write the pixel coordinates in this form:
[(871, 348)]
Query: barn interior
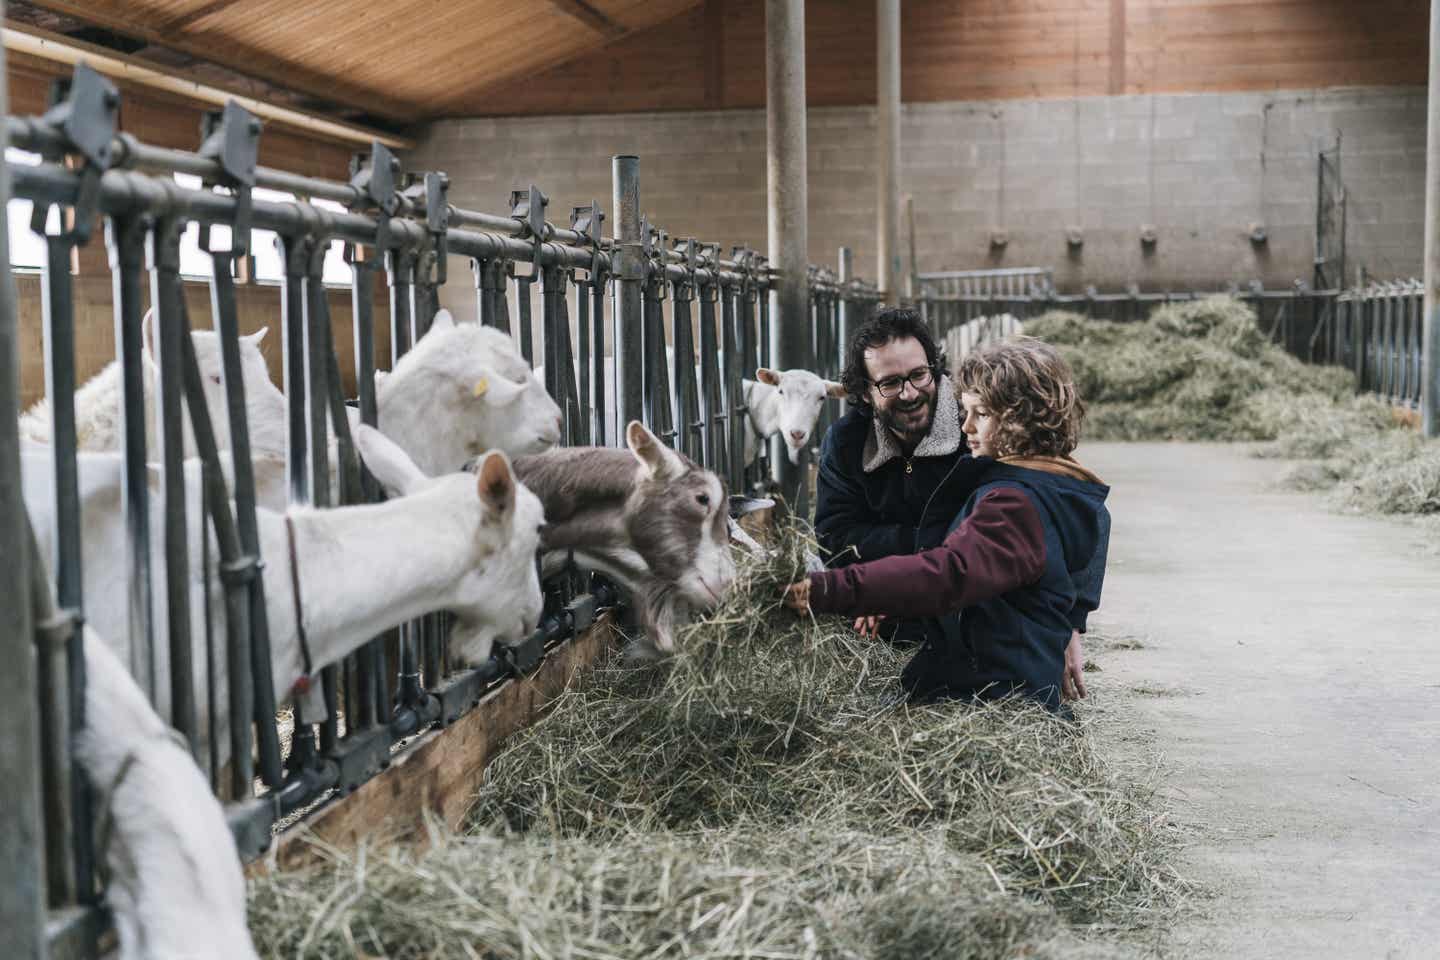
[(801, 164)]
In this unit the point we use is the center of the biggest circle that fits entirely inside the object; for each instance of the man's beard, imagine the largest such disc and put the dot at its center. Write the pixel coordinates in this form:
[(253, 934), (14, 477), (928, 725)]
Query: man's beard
[(912, 420)]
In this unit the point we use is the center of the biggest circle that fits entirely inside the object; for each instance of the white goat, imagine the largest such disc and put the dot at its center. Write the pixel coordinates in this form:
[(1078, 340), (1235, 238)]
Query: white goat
[(457, 543), (461, 390), (969, 336), (176, 888), (787, 402), (98, 400)]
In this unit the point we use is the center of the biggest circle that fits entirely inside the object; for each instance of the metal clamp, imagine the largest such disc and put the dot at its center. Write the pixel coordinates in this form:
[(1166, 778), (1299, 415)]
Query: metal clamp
[(374, 185), (85, 109), (232, 139), (528, 207), (525, 656), (587, 221)]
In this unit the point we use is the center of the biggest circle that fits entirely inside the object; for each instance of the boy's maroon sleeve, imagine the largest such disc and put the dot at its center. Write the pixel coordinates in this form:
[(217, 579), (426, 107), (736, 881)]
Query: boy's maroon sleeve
[(999, 547)]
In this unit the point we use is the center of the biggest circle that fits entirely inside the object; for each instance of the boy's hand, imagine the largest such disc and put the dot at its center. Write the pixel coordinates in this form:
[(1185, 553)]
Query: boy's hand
[(797, 596), (869, 627), (1072, 681)]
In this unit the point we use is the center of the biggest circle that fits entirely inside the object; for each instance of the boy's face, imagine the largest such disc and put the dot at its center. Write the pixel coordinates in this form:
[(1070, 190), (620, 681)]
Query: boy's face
[(981, 426), (900, 365)]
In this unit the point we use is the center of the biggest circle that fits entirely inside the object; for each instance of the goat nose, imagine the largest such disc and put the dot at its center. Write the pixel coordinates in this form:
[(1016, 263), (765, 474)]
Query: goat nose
[(797, 435)]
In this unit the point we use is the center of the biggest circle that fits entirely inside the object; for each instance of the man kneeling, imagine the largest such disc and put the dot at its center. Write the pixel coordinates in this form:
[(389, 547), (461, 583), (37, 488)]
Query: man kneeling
[(1023, 563)]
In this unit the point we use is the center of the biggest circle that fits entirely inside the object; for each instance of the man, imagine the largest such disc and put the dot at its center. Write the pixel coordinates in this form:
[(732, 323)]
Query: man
[(895, 471)]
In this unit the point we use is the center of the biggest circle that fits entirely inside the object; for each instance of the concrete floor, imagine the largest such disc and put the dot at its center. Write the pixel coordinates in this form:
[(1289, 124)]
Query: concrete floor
[(1290, 674)]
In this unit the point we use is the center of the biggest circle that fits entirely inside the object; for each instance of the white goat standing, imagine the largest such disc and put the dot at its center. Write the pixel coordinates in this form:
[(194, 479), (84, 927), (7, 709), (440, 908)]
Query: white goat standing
[(788, 403), (98, 400), (175, 885), (460, 543)]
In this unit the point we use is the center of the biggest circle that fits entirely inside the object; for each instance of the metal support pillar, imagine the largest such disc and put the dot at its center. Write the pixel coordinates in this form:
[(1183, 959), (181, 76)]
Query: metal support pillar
[(1430, 350), (629, 270), (787, 189), (887, 238), (22, 843)]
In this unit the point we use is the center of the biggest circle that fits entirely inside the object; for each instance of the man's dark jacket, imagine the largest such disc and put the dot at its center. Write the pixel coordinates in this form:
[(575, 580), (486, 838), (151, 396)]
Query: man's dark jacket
[(890, 510)]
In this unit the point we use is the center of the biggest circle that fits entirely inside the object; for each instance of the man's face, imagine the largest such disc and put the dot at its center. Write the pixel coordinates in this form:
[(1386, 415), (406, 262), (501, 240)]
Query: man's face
[(909, 410)]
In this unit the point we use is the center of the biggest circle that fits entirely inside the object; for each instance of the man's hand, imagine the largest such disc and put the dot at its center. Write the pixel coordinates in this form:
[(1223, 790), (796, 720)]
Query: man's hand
[(797, 596), (869, 627), (1072, 681)]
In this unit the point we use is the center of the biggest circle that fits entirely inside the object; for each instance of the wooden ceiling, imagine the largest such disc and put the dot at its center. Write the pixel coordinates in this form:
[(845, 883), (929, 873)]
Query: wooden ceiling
[(406, 61)]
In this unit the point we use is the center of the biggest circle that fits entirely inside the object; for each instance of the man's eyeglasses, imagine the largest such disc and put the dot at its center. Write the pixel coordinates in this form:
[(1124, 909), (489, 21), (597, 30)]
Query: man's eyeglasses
[(891, 387)]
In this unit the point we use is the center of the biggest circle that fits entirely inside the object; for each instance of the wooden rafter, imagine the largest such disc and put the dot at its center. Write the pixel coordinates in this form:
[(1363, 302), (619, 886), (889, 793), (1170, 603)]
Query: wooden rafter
[(590, 16), (243, 60), (183, 21)]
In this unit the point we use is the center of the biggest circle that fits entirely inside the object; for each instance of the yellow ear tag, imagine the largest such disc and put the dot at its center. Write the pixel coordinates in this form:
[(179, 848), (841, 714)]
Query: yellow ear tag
[(481, 386)]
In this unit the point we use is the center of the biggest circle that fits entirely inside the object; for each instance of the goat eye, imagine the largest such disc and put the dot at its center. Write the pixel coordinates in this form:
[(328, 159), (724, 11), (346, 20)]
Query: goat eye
[(703, 499), (781, 392), (214, 378)]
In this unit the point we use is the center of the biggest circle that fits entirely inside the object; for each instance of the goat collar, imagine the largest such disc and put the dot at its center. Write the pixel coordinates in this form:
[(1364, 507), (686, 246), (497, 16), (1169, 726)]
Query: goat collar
[(302, 685), (943, 439)]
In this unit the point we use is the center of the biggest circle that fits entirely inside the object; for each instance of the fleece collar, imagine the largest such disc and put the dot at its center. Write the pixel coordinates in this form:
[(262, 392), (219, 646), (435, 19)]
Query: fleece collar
[(943, 439)]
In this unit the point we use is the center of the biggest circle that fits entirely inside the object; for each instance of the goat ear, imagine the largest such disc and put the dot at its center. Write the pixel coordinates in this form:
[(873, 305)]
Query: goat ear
[(257, 336), (657, 459), (396, 472), (766, 375), (444, 320), (495, 390), (495, 482), (833, 389)]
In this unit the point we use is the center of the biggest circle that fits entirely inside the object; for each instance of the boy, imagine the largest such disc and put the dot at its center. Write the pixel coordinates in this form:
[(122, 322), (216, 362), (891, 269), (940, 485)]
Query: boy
[(1023, 564)]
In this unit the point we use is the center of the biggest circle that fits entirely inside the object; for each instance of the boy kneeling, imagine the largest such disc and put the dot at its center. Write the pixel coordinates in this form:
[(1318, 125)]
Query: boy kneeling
[(1023, 564)]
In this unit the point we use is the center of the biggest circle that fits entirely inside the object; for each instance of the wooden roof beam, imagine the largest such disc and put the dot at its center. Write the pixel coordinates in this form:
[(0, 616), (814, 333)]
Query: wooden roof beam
[(591, 17), (243, 60), (183, 21)]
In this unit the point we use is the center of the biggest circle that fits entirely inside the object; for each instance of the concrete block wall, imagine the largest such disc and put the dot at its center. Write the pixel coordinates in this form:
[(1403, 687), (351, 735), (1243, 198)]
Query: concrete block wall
[(1200, 168)]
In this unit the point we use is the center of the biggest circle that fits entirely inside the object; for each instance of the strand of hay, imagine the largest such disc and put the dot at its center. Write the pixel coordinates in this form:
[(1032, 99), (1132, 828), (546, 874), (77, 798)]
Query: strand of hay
[(764, 794)]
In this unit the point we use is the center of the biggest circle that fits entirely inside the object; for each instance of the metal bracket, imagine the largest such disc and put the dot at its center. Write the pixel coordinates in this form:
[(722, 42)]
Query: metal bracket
[(655, 241), (525, 656), (232, 139), (581, 612), (85, 108), (437, 220), (360, 756), (587, 221), (374, 182), (528, 207)]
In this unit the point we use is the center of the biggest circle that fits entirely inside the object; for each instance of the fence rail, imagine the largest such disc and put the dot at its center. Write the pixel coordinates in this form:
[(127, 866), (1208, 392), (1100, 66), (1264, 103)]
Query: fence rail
[(1374, 331), (636, 290)]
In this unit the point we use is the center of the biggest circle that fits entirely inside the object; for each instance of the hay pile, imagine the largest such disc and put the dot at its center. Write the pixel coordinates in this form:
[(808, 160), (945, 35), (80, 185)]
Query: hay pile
[(763, 795), (1193, 371), (1203, 370)]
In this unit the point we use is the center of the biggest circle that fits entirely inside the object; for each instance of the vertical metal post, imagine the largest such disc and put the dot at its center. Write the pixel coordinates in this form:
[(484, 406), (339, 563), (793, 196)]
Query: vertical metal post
[(629, 269), (599, 435), (1430, 351), (165, 294), (846, 309), (252, 697), (126, 241), (787, 190), (22, 898), (887, 232)]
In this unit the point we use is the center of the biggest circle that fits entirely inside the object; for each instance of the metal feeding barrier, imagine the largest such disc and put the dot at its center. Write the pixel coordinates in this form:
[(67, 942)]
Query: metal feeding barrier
[(637, 290), (1373, 330)]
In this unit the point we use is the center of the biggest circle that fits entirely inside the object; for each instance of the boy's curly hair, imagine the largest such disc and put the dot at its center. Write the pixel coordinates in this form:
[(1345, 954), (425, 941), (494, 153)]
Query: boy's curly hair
[(1029, 387)]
